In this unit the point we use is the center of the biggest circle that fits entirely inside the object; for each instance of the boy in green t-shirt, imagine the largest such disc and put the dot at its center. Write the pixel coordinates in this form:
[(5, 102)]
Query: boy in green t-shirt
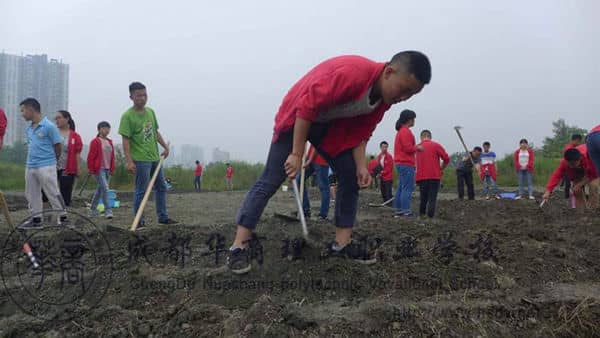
[(139, 129)]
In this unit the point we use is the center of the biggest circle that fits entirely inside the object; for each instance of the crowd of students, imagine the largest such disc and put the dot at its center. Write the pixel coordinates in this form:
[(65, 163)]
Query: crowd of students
[(335, 107), (54, 152)]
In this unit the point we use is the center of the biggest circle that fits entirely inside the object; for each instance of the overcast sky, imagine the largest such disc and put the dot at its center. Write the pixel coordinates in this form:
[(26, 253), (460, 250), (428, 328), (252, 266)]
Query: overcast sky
[(217, 71)]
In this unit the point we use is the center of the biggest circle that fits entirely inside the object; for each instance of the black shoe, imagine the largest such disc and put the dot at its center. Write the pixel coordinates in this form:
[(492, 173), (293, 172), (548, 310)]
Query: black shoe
[(141, 224), (238, 261), (63, 219), (168, 221), (34, 223), (353, 250)]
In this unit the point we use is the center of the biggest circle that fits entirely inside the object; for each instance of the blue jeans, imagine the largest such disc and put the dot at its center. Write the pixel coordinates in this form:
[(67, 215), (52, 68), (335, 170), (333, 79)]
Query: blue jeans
[(143, 172), (101, 193), (197, 183), (323, 181), (273, 175), (593, 147), (489, 184), (525, 175), (406, 186)]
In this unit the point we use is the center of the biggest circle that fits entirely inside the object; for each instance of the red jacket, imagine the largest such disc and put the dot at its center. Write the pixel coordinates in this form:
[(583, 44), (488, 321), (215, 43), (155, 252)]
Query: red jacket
[(372, 165), (318, 159), (198, 171), (330, 84), (387, 174), (567, 147), (405, 147), (428, 161), (229, 172), (529, 164), (586, 169), (73, 152), (3, 124), (94, 159)]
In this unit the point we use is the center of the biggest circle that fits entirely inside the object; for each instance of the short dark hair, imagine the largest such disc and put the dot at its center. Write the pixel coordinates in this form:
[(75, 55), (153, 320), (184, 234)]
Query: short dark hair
[(415, 63), (486, 144), (197, 162), (382, 143), (103, 124), (426, 133), (31, 103), (523, 140), (478, 149), (372, 157), (136, 86), (576, 137), (405, 116), (572, 155)]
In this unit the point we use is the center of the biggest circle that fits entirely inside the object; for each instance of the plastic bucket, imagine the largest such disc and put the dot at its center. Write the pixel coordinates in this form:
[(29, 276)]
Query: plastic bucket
[(508, 195)]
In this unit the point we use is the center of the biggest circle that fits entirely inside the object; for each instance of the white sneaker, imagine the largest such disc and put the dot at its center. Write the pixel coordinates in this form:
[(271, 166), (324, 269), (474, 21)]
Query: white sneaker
[(531, 198), (518, 197), (108, 214)]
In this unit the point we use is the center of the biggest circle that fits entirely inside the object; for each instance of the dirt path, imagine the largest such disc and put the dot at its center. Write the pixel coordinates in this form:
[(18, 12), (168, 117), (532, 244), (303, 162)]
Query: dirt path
[(481, 268)]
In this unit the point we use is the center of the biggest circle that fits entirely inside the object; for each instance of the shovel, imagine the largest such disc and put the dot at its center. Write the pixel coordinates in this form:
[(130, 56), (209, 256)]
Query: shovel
[(26, 248), (384, 204)]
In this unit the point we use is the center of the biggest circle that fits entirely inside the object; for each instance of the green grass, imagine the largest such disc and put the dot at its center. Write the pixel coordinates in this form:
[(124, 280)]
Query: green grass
[(12, 175)]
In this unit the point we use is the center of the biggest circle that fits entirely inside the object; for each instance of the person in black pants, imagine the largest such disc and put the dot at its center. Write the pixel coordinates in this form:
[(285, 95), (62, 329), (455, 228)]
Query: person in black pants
[(429, 172), (576, 140), (386, 162), (464, 173)]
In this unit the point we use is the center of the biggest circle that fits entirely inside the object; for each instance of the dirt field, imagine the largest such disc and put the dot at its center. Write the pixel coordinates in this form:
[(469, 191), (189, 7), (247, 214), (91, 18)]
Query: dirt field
[(481, 268)]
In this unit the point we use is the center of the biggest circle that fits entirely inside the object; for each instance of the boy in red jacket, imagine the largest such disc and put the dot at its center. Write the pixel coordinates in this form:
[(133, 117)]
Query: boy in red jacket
[(374, 170), (576, 139), (429, 172), (198, 176), (524, 159), (581, 171), (386, 161), (336, 107), (229, 177), (101, 164), (3, 124), (405, 149)]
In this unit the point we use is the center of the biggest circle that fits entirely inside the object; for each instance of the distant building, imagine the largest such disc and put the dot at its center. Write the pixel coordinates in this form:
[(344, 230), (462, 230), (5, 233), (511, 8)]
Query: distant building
[(220, 155), (189, 155), (31, 76)]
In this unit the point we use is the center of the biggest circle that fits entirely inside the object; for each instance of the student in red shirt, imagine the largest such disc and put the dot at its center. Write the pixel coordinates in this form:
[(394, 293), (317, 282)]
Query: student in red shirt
[(593, 146), (374, 170), (3, 124), (576, 139), (405, 149), (229, 177), (386, 161), (524, 158), (336, 106), (429, 172), (68, 166), (581, 171), (198, 176), (101, 164)]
